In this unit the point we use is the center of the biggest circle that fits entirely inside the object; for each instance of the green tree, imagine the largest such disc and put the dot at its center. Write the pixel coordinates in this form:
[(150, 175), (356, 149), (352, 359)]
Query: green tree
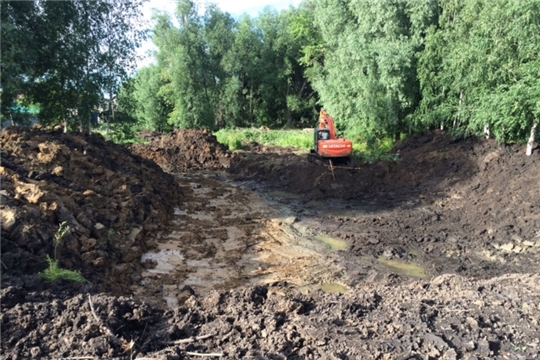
[(369, 78), (480, 68), (78, 48), (152, 108), (215, 72), (285, 94), (189, 66), (17, 54)]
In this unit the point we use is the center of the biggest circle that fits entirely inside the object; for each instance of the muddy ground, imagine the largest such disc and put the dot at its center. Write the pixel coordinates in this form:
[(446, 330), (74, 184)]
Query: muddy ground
[(262, 254)]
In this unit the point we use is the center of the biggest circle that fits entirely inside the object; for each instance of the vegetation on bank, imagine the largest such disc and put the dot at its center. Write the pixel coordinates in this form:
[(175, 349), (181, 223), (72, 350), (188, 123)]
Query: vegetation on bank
[(381, 68), (237, 139), (54, 271)]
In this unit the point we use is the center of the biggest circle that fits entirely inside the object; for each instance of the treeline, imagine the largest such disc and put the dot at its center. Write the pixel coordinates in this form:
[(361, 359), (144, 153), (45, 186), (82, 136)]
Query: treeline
[(68, 58), (382, 68), (213, 71)]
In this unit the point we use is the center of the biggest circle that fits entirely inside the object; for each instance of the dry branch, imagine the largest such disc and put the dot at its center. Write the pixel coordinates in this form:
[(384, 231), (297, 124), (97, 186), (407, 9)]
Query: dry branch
[(191, 339), (205, 355)]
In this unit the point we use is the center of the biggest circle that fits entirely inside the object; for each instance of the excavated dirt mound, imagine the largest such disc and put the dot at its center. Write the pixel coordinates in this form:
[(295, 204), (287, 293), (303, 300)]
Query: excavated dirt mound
[(111, 200), (426, 166), (467, 211), (449, 317), (183, 150)]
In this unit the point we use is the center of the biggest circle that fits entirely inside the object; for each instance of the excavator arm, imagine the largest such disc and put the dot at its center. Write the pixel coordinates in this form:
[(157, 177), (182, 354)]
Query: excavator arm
[(326, 122)]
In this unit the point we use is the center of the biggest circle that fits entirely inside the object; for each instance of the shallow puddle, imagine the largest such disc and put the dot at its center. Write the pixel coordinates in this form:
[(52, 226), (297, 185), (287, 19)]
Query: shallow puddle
[(284, 195), (166, 260), (333, 243), (404, 268), (333, 288)]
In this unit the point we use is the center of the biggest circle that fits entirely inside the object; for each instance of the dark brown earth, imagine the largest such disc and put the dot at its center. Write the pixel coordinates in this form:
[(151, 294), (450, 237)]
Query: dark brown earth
[(183, 150), (467, 211)]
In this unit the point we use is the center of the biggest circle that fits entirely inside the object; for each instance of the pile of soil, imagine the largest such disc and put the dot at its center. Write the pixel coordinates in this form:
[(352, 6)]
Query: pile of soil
[(183, 150), (449, 317), (113, 201)]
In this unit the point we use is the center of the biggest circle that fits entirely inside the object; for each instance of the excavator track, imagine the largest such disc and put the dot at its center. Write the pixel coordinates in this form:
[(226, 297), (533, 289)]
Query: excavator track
[(314, 157)]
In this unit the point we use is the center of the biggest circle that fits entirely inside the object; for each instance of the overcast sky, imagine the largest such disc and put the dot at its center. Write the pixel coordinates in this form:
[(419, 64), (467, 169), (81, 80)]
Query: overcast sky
[(234, 7)]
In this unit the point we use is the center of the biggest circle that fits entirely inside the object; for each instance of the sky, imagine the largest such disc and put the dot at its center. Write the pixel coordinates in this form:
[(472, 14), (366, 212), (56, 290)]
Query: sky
[(234, 7)]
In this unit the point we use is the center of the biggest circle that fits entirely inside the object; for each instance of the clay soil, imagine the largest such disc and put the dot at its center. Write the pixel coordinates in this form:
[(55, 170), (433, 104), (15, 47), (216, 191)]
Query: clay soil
[(190, 250)]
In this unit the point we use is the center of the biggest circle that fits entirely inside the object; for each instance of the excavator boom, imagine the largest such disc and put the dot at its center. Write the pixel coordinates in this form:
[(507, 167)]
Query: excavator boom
[(326, 121)]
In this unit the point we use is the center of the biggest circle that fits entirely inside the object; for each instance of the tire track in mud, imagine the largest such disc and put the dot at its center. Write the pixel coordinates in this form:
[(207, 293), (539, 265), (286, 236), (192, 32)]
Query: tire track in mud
[(227, 236)]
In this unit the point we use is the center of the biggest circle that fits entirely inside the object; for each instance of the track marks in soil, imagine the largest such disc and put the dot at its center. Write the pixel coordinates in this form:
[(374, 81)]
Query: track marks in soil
[(225, 236)]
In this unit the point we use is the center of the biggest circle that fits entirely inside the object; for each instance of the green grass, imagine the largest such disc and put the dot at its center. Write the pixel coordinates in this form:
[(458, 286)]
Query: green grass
[(378, 149), (54, 272), (369, 151), (235, 139)]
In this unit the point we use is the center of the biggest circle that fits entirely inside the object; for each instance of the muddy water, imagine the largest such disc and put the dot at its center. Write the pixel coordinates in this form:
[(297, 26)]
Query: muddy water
[(229, 235)]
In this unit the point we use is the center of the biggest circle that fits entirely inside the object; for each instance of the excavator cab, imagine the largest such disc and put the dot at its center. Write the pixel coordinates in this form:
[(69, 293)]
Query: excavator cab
[(321, 134)]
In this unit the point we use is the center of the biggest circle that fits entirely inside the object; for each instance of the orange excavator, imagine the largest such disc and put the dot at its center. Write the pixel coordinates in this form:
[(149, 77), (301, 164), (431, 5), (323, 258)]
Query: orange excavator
[(328, 146)]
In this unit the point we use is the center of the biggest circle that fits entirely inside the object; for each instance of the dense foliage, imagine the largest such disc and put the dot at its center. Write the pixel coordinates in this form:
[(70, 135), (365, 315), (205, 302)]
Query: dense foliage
[(214, 71), (70, 57), (382, 68)]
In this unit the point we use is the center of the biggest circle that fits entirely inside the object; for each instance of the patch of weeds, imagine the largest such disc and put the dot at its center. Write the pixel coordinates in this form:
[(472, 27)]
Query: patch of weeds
[(519, 348), (235, 139), (54, 272)]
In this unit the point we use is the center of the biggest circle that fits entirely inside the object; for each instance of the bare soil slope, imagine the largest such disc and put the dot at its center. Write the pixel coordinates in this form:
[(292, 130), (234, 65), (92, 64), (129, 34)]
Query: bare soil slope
[(468, 211), (472, 205), (110, 199)]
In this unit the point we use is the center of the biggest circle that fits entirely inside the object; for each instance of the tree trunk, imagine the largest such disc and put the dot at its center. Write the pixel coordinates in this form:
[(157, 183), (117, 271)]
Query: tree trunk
[(457, 119), (288, 125), (530, 143), (251, 105), (111, 115), (90, 123)]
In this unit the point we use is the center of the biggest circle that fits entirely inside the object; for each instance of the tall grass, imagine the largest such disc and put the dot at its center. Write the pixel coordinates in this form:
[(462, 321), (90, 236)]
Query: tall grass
[(236, 139), (369, 150), (54, 272)]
